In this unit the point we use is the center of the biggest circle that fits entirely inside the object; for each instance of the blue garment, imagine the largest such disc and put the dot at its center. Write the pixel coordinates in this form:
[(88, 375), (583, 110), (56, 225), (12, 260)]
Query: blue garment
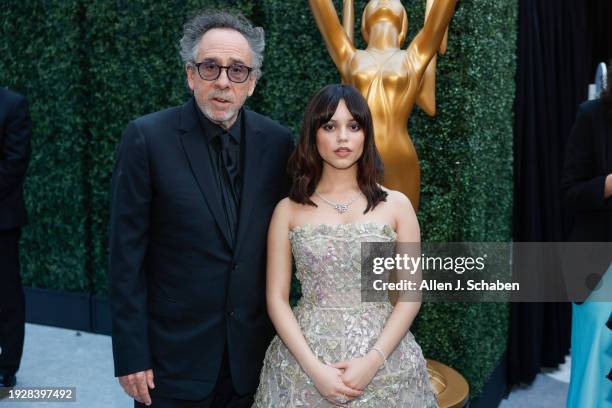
[(591, 350)]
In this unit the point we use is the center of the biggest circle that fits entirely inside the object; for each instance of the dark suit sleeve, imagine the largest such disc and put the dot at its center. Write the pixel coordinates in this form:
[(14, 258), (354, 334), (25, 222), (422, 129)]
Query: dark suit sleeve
[(583, 189), (130, 209), (15, 153)]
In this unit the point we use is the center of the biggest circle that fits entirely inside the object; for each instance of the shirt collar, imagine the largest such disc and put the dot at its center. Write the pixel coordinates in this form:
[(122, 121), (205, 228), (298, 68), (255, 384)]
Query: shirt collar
[(212, 130)]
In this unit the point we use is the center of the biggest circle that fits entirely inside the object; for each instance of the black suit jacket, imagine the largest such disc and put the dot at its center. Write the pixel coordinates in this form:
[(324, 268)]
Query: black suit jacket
[(15, 135), (588, 160), (178, 290)]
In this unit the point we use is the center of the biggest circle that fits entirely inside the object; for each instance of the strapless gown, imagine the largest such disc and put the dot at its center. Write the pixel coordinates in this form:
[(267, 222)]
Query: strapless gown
[(338, 326)]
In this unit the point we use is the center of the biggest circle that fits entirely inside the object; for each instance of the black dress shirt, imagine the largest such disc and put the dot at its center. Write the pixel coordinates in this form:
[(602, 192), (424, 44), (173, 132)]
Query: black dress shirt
[(226, 158)]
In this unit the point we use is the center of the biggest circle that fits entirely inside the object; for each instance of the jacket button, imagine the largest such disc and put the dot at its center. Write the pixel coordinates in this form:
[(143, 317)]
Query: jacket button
[(230, 313), (234, 265)]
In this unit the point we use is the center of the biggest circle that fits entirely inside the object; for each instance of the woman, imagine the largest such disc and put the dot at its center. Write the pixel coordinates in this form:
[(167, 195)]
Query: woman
[(587, 188), (333, 348)]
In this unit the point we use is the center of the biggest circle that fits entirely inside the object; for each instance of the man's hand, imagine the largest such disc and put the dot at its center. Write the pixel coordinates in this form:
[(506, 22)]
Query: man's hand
[(137, 385)]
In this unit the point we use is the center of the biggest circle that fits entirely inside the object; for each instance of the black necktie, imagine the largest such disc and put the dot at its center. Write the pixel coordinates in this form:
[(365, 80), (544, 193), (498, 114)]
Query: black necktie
[(230, 155), (229, 169)]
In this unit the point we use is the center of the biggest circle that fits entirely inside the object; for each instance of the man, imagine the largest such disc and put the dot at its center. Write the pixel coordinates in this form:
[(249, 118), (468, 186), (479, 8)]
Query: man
[(15, 134), (193, 192)]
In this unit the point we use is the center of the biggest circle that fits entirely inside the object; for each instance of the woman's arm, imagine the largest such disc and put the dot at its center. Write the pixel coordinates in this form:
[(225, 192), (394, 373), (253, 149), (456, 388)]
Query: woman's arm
[(359, 372), (427, 42), (278, 283), (404, 312), (339, 45)]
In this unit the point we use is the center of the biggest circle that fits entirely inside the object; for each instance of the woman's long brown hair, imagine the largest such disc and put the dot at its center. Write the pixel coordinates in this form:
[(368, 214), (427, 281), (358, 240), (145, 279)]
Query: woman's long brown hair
[(306, 165)]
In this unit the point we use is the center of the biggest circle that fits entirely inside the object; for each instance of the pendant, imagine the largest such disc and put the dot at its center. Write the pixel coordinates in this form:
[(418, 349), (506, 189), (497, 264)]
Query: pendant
[(341, 208)]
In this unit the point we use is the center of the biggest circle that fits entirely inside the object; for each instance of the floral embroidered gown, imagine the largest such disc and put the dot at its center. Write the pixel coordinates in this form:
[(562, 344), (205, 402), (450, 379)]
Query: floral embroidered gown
[(338, 326)]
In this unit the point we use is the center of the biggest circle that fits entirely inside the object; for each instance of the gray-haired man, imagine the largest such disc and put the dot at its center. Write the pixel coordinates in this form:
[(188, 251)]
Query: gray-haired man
[(193, 192)]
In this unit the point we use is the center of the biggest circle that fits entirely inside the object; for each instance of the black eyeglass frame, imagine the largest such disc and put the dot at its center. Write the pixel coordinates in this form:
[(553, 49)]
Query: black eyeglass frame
[(226, 67)]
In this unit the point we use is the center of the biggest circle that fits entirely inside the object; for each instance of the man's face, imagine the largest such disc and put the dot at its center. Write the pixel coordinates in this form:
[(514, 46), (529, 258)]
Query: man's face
[(221, 99)]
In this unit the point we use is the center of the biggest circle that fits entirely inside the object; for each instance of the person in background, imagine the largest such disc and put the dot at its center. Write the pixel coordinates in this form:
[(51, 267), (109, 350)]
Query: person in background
[(15, 150), (587, 192)]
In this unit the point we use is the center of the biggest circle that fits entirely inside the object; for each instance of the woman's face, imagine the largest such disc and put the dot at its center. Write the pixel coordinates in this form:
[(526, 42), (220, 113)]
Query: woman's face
[(340, 140)]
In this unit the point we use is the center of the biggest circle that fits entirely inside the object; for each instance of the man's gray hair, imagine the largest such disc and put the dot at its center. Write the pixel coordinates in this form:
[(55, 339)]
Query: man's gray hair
[(205, 20)]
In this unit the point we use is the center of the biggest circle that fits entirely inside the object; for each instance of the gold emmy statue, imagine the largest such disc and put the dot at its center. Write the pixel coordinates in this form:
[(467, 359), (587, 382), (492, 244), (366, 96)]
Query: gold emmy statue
[(391, 79)]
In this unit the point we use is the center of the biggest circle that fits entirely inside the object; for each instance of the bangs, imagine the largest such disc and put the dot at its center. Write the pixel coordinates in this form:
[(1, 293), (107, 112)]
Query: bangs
[(325, 106), (358, 107)]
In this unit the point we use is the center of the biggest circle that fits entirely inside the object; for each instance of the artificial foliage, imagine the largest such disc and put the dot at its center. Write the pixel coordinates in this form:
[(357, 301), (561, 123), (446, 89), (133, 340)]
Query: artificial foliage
[(41, 56)]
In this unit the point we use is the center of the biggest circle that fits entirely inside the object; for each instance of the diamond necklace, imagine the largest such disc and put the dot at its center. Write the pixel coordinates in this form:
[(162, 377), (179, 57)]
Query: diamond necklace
[(340, 207)]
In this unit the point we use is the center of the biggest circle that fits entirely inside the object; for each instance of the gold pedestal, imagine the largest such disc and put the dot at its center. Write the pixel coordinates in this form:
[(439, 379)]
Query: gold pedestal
[(451, 389)]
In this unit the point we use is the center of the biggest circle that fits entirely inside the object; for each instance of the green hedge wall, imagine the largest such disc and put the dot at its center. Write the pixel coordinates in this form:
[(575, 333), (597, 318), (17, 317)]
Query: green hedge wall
[(40, 56), (88, 68)]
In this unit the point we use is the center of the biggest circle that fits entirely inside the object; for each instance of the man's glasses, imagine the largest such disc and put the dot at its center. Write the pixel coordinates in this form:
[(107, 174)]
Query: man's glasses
[(210, 71)]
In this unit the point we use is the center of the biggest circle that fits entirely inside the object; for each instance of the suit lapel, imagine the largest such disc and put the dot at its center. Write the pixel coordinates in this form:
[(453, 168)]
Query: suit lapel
[(254, 149), (196, 150)]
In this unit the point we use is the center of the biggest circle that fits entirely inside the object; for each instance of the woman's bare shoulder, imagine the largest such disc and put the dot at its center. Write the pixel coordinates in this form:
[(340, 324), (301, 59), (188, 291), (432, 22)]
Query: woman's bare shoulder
[(397, 199), (404, 216), (290, 211), (283, 208)]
